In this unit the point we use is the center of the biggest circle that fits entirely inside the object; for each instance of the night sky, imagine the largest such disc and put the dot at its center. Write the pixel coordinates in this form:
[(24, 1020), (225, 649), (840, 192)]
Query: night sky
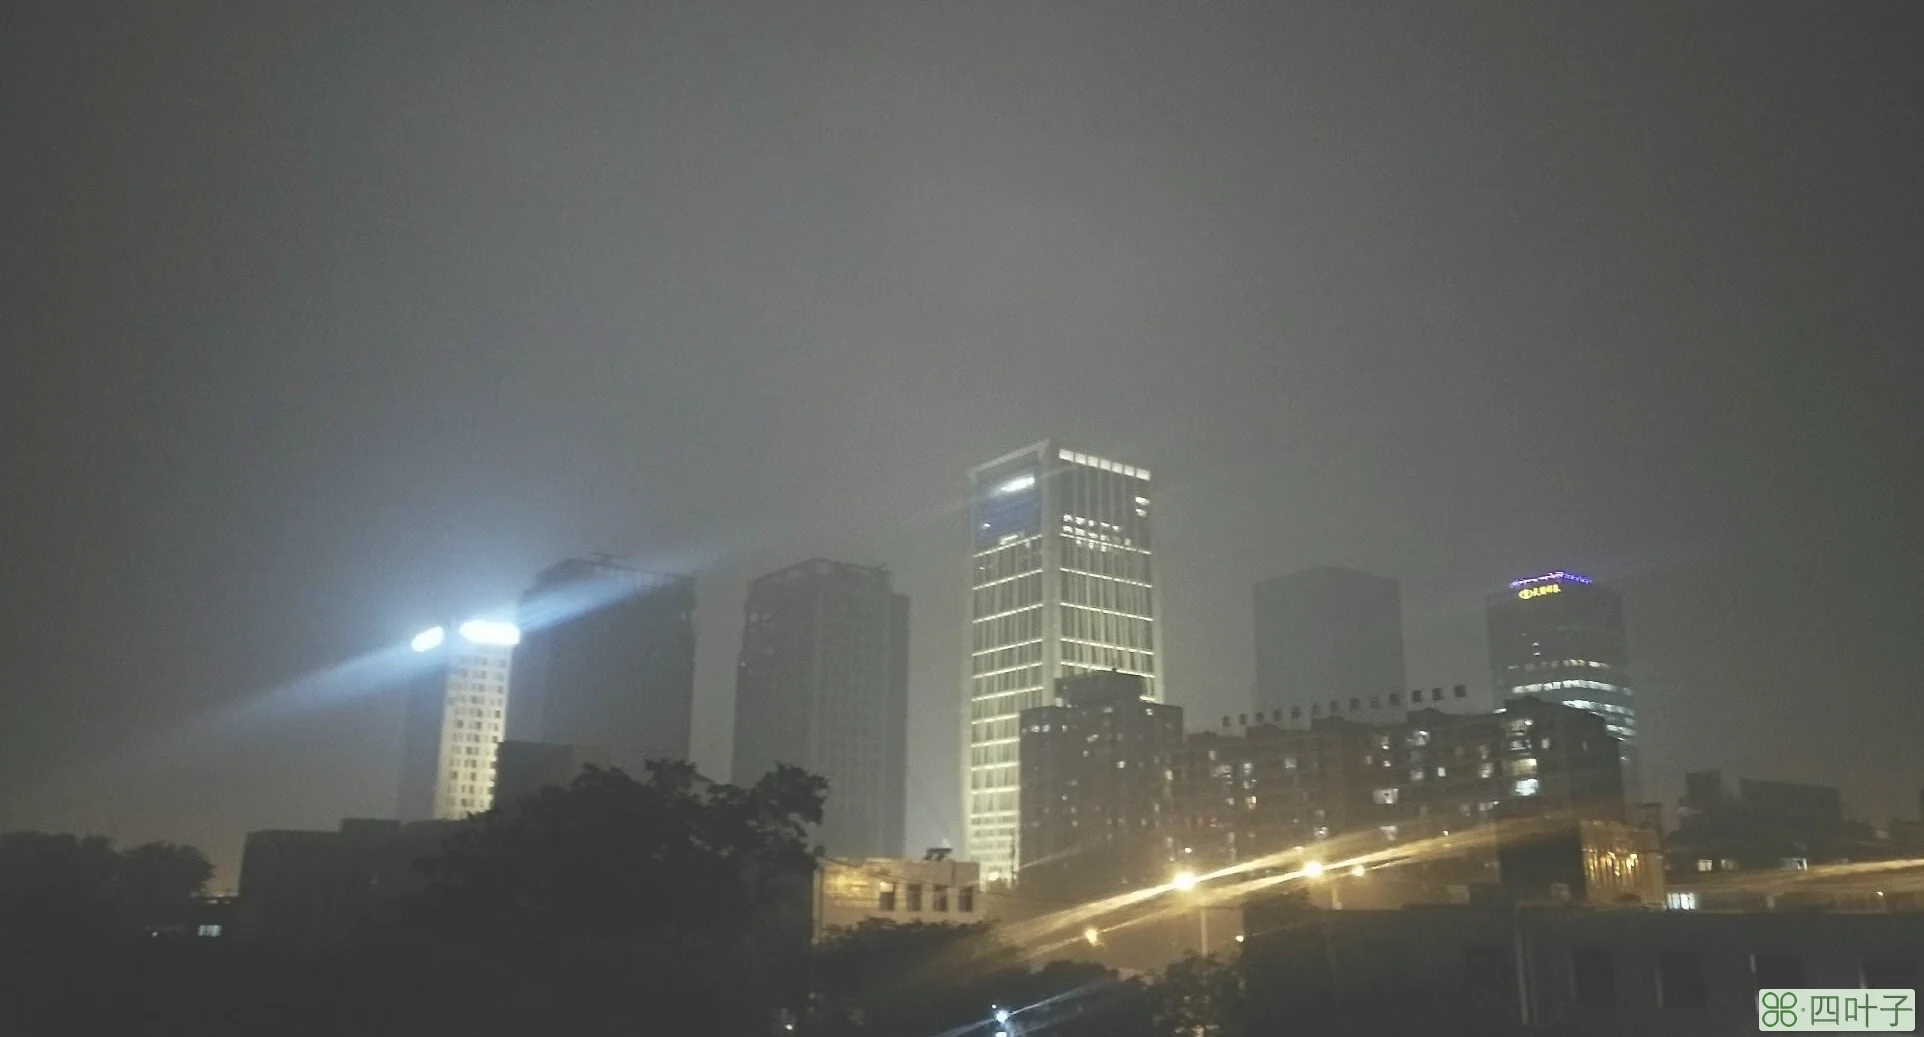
[(325, 322)]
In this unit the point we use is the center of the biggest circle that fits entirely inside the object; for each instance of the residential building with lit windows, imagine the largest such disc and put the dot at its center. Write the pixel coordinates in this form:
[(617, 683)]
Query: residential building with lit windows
[(823, 684), (1560, 637), (1330, 638), (456, 712), (1238, 798), (1062, 582), (1095, 788), (608, 660)]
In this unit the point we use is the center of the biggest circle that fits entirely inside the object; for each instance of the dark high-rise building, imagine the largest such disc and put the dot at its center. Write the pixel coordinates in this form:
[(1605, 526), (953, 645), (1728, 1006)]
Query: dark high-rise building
[(823, 685), (607, 658), (1095, 791), (1329, 637), (1062, 583), (525, 768), (1560, 637)]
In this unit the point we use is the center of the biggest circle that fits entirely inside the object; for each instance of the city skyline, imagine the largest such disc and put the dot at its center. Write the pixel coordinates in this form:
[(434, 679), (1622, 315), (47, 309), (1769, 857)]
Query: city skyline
[(341, 324)]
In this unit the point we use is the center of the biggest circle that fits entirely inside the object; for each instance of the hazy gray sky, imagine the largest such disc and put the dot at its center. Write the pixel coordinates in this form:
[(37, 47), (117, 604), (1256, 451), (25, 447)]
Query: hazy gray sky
[(324, 321)]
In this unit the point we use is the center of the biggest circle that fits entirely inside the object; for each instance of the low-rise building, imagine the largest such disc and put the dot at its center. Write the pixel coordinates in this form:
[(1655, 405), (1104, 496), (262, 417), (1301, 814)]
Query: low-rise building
[(937, 890), (306, 888)]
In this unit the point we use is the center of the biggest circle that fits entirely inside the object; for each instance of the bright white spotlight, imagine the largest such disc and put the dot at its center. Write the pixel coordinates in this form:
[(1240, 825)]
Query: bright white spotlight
[(1016, 485), (489, 632), (1093, 935), (1184, 881), (1313, 870), (1002, 1016), (1357, 871), (428, 640)]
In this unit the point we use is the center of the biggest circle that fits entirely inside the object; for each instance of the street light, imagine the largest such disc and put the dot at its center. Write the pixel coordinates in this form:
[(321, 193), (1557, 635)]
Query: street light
[(1313, 870), (1186, 882), (1356, 872), (1093, 935)]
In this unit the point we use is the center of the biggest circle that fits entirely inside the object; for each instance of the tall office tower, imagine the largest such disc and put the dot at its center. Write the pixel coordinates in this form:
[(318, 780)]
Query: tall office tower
[(1062, 583), (1559, 636), (1095, 788), (455, 714), (1329, 635), (824, 684), (608, 660)]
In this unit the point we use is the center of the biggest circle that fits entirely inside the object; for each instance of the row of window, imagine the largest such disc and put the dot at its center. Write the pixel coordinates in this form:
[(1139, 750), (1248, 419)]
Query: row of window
[(1108, 628), (1008, 595), (1003, 631), (1099, 592), (1011, 560), (1104, 657), (1099, 559), (911, 897), (1006, 681), (1006, 658)]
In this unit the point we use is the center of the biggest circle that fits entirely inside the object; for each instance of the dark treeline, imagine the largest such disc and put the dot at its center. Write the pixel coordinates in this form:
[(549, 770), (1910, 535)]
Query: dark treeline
[(615, 906)]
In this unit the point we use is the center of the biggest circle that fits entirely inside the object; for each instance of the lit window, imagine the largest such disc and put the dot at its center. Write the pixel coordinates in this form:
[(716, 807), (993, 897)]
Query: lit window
[(1385, 797), (1525, 787), (207, 930)]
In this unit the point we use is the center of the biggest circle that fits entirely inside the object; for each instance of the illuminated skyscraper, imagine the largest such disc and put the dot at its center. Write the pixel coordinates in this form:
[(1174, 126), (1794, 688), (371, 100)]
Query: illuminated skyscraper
[(1062, 583), (1560, 637), (456, 712), (823, 684)]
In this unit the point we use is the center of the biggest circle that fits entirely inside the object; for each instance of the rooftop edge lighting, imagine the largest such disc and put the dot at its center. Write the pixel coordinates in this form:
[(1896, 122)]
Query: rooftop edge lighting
[(1017, 484), (490, 632), (1555, 577), (428, 640)]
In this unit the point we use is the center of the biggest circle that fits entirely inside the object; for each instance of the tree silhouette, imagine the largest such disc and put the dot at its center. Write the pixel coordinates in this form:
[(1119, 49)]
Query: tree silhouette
[(56, 885), (665, 898)]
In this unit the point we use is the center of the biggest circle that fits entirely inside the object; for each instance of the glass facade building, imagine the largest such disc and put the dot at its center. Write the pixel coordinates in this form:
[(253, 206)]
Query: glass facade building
[(1560, 637), (1062, 582)]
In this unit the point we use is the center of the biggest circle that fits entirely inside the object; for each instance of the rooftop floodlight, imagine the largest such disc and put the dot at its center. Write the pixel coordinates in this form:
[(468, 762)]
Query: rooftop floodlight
[(428, 640), (490, 632)]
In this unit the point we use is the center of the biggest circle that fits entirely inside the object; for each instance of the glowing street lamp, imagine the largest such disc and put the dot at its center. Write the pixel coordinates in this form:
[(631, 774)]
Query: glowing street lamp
[(1356, 872), (1313, 870), (1093, 935), (1184, 881)]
